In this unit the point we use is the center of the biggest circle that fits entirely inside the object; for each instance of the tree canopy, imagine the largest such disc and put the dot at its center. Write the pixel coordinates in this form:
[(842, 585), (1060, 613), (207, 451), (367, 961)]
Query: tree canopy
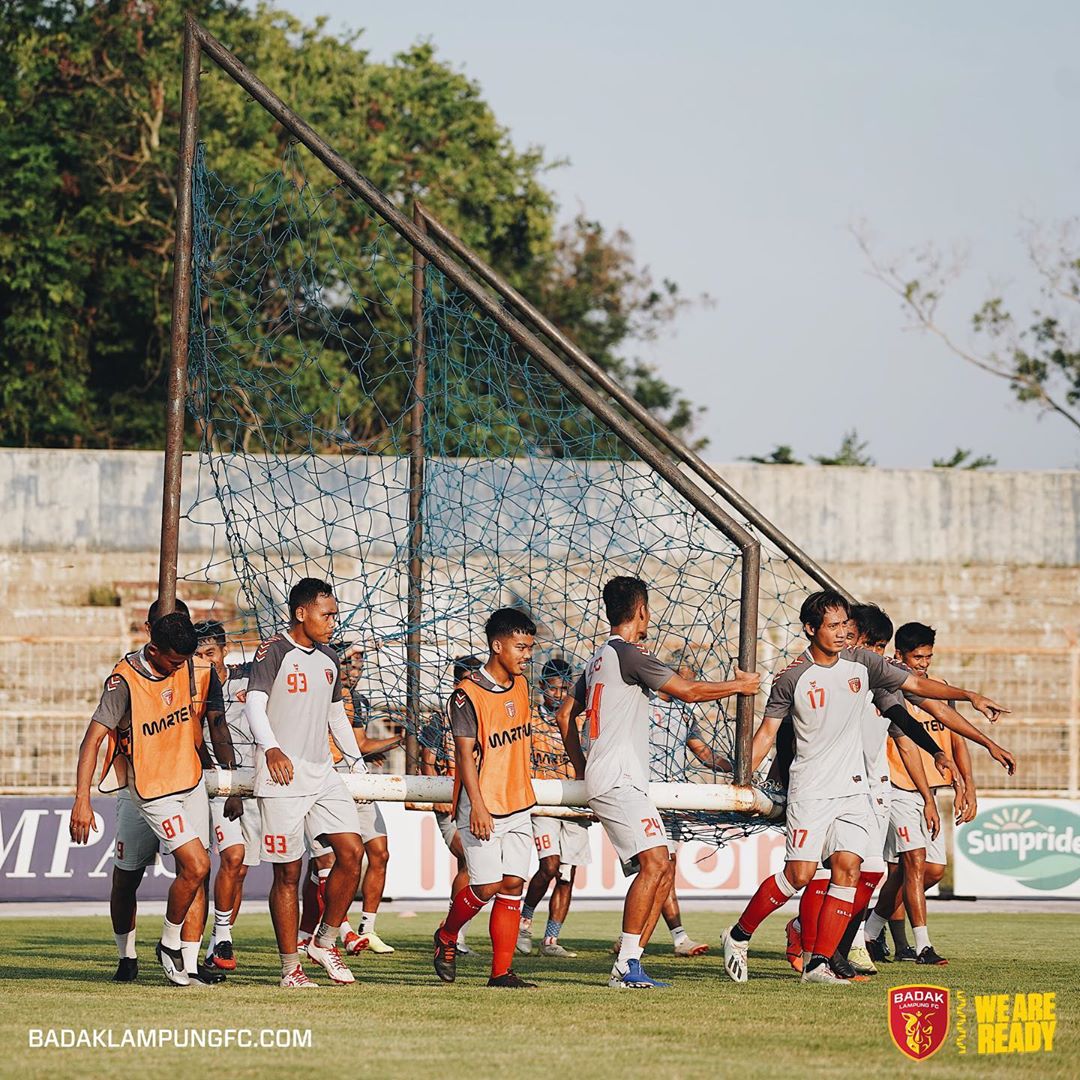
[(89, 114)]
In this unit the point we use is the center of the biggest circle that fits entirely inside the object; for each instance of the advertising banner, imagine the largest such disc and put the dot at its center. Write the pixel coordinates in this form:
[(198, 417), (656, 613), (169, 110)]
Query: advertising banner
[(1026, 848), (39, 862)]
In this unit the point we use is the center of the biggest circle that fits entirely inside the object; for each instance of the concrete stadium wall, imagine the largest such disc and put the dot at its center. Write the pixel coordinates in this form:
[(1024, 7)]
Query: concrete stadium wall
[(110, 501)]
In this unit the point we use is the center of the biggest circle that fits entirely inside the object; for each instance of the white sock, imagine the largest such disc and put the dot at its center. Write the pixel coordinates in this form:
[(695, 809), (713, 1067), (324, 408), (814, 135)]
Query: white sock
[(678, 934), (125, 945), (346, 929), (289, 962), (170, 934), (326, 935), (367, 922), (190, 949), (629, 948), (874, 925), (222, 925), (461, 936), (922, 938), (797, 924)]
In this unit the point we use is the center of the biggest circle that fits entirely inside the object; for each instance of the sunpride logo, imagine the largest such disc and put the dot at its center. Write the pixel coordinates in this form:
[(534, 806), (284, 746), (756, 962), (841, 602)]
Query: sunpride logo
[(1036, 844)]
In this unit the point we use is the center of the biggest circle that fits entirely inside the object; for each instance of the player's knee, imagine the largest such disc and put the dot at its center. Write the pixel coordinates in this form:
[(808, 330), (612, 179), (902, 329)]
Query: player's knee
[(348, 853), (913, 862), (654, 864), (231, 860), (377, 856), (194, 865), (933, 873), (126, 882), (486, 892), (512, 886), (287, 875), (799, 874), (549, 867)]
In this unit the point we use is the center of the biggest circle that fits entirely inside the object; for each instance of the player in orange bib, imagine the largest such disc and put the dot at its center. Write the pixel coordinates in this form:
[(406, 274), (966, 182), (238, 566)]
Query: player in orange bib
[(151, 712), (493, 795)]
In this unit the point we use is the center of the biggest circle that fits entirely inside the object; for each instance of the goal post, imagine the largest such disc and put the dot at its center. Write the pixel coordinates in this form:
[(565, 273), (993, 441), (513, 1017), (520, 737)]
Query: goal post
[(454, 292)]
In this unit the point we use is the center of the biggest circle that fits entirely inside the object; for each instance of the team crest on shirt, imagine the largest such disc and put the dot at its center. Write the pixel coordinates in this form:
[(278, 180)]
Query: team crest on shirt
[(329, 675), (855, 685), (511, 709), (167, 696)]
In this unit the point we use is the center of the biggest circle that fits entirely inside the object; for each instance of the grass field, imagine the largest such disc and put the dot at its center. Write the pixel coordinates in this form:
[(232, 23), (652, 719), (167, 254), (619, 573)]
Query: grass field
[(400, 1022)]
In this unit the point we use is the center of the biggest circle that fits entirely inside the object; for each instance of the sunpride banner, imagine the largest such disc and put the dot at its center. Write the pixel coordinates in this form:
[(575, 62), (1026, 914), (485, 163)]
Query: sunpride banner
[(1020, 848)]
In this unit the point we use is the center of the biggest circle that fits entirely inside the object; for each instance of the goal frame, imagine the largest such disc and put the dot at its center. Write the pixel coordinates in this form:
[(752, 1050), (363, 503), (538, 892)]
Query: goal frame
[(431, 242)]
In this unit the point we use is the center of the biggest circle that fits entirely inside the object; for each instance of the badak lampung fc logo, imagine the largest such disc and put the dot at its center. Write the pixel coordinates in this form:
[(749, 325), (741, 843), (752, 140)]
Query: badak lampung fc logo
[(1036, 844), (918, 1019)]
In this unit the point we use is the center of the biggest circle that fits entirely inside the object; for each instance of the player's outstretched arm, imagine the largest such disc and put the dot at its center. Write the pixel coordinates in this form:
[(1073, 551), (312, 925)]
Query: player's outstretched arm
[(375, 746), (947, 715), (258, 720), (909, 755), (82, 815), (764, 740), (707, 755), (966, 804), (566, 718), (745, 683), (481, 823), (939, 691), (221, 738)]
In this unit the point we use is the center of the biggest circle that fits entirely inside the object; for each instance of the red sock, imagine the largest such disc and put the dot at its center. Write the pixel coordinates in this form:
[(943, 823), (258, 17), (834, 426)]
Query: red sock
[(810, 910), (463, 907), (773, 892), (505, 920), (864, 891), (835, 913), (314, 890)]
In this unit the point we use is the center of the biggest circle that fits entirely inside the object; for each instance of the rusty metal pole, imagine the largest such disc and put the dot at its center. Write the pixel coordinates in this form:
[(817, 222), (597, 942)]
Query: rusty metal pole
[(748, 641), (176, 383), (416, 510)]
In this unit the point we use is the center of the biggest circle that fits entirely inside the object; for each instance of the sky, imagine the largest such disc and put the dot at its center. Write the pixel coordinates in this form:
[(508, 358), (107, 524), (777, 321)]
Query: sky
[(738, 144)]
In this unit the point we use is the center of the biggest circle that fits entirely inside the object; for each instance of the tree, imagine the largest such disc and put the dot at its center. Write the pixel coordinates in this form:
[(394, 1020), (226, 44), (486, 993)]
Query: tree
[(1037, 354), (852, 452), (89, 113), (781, 455), (962, 459)]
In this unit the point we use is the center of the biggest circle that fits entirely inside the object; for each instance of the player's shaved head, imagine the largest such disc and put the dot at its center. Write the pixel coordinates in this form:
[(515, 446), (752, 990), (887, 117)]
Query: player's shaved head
[(623, 596), (155, 610)]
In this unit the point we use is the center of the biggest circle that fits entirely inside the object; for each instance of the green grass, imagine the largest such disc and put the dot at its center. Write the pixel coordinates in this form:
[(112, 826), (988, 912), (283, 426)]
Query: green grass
[(400, 1022)]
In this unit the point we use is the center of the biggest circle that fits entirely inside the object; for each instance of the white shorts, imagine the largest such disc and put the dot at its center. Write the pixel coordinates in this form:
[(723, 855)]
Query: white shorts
[(564, 837), (816, 828), (178, 819), (507, 854), (246, 830), (288, 819), (874, 859), (371, 825), (447, 826), (631, 821), (908, 831), (136, 846)]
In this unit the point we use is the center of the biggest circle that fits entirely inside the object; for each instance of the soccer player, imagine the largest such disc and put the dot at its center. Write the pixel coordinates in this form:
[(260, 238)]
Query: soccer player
[(151, 712), (372, 825), (916, 856), (437, 759), (236, 826), (562, 844), (294, 703), (614, 691), (134, 849), (829, 816), (489, 714)]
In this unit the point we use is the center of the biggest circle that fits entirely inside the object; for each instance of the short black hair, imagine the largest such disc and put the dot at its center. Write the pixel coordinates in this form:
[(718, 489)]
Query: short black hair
[(155, 608), (174, 633), (464, 664), (556, 668), (507, 621), (211, 629), (622, 595), (914, 635), (307, 590), (872, 623), (812, 612)]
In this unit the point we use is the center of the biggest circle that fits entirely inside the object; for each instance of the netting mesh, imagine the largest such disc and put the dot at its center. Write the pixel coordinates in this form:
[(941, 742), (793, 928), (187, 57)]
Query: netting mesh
[(302, 380)]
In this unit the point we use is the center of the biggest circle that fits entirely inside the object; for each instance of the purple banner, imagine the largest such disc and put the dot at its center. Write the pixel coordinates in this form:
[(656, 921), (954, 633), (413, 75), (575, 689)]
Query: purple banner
[(39, 862)]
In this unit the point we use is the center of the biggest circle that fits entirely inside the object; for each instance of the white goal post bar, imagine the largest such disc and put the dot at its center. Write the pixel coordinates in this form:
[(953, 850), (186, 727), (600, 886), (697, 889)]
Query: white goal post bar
[(380, 787)]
